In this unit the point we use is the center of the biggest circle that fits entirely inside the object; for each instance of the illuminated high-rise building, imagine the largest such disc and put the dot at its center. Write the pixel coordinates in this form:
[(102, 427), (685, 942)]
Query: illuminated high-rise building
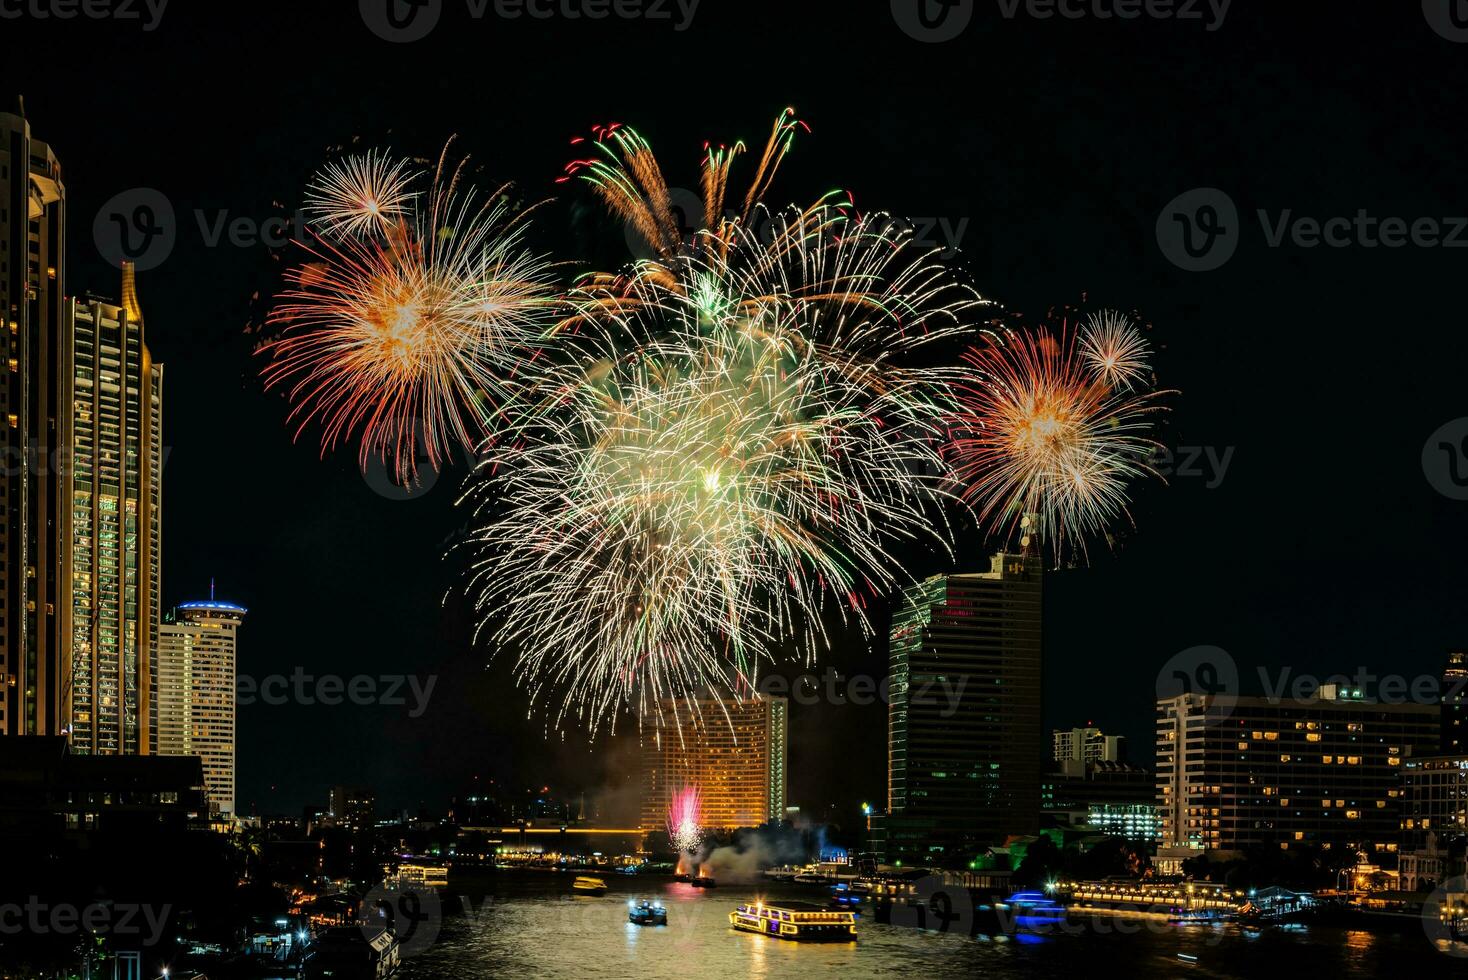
[(197, 653), (1454, 698), (113, 528), (1235, 773), (82, 482), (737, 755), (33, 597), (1087, 744), (964, 732)]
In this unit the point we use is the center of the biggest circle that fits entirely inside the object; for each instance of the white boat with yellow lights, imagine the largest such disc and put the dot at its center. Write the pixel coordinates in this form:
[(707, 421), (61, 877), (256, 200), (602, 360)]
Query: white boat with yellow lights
[(798, 921)]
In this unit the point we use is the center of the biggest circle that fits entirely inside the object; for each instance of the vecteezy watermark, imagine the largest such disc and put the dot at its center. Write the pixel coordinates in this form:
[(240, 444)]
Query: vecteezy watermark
[(58, 461), (863, 689), (333, 690), (147, 12), (934, 21), (1205, 671), (1445, 459), (412, 914), (934, 904), (1208, 671), (1210, 463), (404, 21), (1449, 18), (139, 225), (1199, 230), (37, 918), (1360, 685), (1445, 917)]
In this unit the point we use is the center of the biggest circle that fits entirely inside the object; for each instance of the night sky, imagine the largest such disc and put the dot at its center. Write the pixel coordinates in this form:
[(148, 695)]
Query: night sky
[(1058, 143)]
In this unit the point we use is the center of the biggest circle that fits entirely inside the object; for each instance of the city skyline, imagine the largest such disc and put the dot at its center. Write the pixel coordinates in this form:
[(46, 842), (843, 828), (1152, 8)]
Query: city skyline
[(1252, 602)]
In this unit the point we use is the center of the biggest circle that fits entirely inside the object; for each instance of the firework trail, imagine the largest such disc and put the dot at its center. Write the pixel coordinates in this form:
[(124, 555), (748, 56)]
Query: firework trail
[(1055, 429), (409, 323), (685, 814)]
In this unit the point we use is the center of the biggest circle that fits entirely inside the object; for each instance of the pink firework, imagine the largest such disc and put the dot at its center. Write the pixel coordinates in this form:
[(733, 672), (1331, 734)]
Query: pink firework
[(685, 810)]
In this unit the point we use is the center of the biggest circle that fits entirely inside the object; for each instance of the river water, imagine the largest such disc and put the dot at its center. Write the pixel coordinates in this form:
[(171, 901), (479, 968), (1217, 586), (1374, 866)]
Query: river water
[(527, 925)]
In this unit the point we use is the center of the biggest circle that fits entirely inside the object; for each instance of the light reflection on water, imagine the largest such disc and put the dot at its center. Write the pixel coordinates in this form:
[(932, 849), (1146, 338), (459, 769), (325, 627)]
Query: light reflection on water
[(524, 926)]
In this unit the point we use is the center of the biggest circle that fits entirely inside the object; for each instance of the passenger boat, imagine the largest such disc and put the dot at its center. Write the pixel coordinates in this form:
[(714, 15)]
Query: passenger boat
[(646, 913), (353, 953), (798, 921), (587, 885)]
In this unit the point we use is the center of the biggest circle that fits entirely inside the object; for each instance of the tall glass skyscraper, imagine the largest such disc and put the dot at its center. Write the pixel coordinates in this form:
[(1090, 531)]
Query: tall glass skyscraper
[(82, 482), (964, 737), (33, 383), (114, 486)]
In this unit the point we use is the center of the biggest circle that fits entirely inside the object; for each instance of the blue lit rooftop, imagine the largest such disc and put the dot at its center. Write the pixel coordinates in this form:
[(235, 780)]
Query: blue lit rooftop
[(214, 606)]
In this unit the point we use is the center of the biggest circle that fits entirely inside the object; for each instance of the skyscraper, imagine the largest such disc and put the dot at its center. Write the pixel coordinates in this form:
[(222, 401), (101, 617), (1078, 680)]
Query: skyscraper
[(1454, 697), (33, 597), (964, 736), (196, 692), (736, 755), (82, 482), (113, 486)]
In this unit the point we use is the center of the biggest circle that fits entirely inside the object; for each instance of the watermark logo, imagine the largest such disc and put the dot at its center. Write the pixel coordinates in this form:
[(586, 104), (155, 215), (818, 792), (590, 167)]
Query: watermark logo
[(413, 915), (405, 21), (1445, 917), (1199, 230), (1449, 18), (1202, 670), (147, 12), (138, 226), (1445, 459), (936, 905), (331, 690), (401, 21), (933, 21), (37, 918), (384, 475), (1208, 463)]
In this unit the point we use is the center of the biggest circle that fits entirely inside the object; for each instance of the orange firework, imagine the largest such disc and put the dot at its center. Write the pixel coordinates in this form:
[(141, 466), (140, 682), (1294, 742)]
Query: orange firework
[(408, 328), (1054, 430)]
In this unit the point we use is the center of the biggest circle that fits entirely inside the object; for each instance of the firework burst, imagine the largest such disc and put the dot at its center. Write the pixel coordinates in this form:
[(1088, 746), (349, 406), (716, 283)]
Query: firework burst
[(1054, 430), (408, 325), (361, 195), (730, 454), (685, 814)]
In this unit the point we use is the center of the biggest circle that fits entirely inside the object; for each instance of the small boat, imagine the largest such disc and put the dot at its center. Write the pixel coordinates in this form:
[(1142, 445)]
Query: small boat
[(646, 913), (703, 881), (352, 953), (587, 885), (843, 897), (796, 921), (627, 869), (683, 876)]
